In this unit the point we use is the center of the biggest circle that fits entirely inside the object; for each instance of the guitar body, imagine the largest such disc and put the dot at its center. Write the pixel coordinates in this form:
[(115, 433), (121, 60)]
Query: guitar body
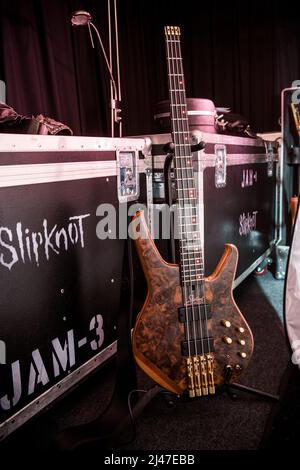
[(158, 334)]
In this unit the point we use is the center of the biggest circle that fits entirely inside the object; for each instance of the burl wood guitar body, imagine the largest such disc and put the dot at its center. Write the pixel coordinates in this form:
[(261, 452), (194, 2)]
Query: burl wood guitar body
[(158, 334)]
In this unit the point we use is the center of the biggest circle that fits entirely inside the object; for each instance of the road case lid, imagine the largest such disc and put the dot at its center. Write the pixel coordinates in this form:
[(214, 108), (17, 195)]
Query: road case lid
[(61, 143)]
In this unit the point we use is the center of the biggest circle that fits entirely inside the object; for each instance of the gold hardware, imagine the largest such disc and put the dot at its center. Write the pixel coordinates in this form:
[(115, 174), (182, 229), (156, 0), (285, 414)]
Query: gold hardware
[(211, 381), (196, 366), (172, 30), (200, 375), (242, 354), (190, 375), (242, 342), (240, 329), (226, 323), (227, 340), (203, 375)]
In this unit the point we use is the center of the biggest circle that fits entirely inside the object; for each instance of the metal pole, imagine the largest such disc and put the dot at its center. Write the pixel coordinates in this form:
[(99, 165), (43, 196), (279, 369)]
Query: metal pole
[(112, 111), (118, 63)]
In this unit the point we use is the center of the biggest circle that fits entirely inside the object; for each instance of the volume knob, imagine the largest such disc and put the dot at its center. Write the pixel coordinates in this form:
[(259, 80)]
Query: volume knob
[(240, 329), (226, 323), (227, 340), (242, 354)]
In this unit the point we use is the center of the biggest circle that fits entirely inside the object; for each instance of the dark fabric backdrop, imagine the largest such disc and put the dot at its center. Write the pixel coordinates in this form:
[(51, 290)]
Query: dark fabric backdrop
[(239, 54)]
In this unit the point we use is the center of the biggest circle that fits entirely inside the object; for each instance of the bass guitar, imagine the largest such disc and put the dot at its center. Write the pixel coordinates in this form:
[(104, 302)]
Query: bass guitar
[(190, 334)]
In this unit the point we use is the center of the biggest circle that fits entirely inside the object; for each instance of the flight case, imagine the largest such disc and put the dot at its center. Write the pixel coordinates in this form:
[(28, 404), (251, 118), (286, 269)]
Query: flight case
[(239, 194), (61, 263)]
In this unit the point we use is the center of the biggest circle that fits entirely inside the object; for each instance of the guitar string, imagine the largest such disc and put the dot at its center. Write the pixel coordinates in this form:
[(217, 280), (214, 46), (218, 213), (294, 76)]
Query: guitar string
[(170, 63), (193, 208), (201, 287), (186, 174), (198, 252), (183, 132), (202, 283), (193, 255)]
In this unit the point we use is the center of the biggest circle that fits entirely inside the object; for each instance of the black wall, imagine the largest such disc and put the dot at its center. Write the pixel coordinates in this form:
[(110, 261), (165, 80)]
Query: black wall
[(239, 54)]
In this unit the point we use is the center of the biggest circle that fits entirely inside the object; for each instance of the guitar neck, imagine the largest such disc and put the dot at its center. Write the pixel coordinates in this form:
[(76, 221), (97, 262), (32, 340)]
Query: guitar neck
[(191, 255)]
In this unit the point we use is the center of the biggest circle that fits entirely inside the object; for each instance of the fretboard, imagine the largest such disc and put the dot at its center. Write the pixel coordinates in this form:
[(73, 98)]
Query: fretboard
[(191, 256)]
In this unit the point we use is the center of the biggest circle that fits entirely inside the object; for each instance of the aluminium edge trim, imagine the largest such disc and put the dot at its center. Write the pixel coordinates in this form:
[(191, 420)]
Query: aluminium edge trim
[(53, 393)]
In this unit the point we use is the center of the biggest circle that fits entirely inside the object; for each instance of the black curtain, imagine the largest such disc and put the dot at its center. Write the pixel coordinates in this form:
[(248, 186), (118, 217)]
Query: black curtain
[(239, 54)]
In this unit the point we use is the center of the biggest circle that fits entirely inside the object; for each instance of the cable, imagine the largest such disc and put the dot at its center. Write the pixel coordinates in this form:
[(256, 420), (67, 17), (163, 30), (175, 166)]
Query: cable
[(131, 280), (132, 420)]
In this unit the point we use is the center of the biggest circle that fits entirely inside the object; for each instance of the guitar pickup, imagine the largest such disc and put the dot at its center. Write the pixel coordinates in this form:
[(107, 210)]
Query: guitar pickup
[(197, 346), (194, 313)]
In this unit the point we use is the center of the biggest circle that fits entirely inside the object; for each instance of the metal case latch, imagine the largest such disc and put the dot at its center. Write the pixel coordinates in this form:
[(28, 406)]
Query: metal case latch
[(127, 174), (2, 352), (270, 159), (220, 165)]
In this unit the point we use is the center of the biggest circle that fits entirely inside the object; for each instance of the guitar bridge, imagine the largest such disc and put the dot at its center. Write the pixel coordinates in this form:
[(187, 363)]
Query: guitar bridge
[(200, 375)]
